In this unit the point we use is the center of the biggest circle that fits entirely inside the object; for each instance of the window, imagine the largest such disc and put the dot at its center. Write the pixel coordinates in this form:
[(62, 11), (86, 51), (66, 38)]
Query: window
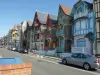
[(84, 56), (74, 55), (60, 27), (81, 43), (78, 25), (83, 24), (97, 8), (91, 23), (80, 56), (78, 11), (37, 36)]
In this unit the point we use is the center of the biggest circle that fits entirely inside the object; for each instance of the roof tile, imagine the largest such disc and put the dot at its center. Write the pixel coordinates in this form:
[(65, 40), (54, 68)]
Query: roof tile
[(66, 10)]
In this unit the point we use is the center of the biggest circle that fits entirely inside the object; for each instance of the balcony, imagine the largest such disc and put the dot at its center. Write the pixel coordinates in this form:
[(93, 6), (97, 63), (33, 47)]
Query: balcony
[(83, 31), (80, 15), (59, 32), (80, 50)]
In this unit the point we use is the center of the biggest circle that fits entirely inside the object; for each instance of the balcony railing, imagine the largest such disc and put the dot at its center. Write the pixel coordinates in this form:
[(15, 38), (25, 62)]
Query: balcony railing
[(83, 31), (60, 32), (80, 15), (80, 50)]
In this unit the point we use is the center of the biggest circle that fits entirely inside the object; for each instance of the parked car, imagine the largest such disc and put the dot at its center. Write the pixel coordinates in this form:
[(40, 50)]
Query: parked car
[(21, 50), (83, 60), (14, 49), (33, 50)]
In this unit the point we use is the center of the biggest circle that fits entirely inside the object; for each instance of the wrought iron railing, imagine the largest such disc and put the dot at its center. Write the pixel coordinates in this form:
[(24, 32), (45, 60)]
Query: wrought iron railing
[(80, 50), (83, 31), (60, 32), (80, 15)]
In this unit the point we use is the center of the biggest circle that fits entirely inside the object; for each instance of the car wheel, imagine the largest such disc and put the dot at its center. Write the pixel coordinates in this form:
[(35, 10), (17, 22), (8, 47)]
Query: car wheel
[(64, 61), (86, 66)]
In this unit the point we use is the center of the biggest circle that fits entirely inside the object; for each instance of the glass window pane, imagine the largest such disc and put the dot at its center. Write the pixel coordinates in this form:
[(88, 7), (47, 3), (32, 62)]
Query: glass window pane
[(83, 25), (81, 43), (99, 14), (98, 7), (91, 23), (77, 25), (98, 1), (96, 15)]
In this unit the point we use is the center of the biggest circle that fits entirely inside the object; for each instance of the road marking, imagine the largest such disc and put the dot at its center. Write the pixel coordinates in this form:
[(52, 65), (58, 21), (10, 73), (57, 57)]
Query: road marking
[(65, 66)]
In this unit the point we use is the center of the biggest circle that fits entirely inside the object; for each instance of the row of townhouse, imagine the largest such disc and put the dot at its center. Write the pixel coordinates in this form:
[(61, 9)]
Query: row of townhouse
[(39, 34), (96, 5), (3, 41), (83, 27), (73, 30), (13, 37)]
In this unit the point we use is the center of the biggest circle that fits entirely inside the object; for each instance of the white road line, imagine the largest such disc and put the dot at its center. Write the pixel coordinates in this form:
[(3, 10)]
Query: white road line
[(65, 66)]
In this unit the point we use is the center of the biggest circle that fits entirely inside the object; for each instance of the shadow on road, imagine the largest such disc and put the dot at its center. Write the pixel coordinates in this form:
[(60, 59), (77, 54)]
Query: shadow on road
[(78, 67)]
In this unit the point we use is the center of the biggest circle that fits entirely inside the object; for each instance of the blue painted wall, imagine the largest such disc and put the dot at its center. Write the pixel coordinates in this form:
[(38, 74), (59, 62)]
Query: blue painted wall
[(89, 22)]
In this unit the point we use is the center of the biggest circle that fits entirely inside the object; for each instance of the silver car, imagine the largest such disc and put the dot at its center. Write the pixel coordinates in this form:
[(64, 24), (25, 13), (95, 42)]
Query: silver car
[(84, 60)]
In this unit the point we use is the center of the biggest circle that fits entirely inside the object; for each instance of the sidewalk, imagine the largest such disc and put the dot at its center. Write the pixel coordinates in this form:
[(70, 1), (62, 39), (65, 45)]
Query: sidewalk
[(46, 57)]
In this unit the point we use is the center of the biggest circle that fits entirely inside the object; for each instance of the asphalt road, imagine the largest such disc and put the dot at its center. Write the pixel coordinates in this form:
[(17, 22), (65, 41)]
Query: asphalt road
[(41, 66)]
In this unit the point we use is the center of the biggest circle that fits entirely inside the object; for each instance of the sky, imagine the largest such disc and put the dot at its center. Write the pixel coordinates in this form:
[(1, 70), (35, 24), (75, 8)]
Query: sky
[(16, 11)]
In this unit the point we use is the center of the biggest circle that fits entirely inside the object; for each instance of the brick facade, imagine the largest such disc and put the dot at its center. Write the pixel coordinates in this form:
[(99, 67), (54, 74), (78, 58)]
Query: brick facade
[(16, 69)]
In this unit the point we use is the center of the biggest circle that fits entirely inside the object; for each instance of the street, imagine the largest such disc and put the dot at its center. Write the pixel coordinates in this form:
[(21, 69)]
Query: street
[(43, 67)]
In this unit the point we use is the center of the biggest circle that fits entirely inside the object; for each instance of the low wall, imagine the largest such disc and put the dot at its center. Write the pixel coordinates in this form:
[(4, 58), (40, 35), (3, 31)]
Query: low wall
[(48, 52), (16, 69), (62, 55)]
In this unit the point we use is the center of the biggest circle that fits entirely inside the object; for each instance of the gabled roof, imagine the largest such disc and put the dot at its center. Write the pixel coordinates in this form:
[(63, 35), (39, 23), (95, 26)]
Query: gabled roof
[(29, 22), (53, 18), (89, 5), (66, 10), (18, 27), (42, 17), (77, 2)]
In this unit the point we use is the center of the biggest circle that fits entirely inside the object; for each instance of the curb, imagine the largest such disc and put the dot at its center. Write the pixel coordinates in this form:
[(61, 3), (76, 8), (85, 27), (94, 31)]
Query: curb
[(53, 57), (42, 56)]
